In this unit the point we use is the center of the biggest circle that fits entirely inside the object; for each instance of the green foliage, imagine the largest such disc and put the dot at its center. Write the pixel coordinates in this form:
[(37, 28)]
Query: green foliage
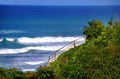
[(44, 73), (41, 73), (110, 22), (11, 73), (98, 58), (30, 75), (93, 30)]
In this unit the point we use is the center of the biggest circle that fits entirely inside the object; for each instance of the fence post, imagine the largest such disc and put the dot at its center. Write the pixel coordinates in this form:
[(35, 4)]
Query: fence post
[(74, 43), (54, 55), (48, 60)]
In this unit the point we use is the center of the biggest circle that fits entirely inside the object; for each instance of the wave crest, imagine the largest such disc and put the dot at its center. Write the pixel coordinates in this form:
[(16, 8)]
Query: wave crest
[(36, 40), (35, 62), (26, 49), (24, 70), (47, 39)]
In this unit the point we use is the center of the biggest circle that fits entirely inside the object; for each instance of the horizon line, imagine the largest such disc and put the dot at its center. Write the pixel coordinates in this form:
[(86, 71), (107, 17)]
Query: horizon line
[(51, 5)]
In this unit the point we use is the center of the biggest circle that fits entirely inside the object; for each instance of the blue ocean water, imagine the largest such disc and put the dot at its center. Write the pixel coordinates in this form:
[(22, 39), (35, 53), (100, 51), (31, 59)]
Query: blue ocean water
[(29, 34)]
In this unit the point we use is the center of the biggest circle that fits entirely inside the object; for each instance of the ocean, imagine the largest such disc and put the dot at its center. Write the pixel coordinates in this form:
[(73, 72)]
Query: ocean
[(29, 34)]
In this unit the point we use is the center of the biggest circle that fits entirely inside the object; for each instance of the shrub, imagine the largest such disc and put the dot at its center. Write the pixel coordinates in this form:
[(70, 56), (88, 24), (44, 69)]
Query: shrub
[(44, 73)]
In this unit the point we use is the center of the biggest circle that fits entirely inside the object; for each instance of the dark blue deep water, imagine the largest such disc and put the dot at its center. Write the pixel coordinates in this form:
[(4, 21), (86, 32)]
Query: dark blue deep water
[(29, 34)]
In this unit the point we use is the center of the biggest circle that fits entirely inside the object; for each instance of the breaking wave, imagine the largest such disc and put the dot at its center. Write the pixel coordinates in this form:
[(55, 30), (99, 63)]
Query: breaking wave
[(26, 49), (24, 70), (35, 63), (47, 39), (36, 40)]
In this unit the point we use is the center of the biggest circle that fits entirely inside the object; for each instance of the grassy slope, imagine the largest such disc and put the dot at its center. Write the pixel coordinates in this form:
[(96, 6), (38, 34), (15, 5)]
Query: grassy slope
[(99, 58), (85, 63)]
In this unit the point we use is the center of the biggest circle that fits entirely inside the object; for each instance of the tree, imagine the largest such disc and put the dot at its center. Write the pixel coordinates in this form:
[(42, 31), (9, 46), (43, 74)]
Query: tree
[(93, 30), (110, 22)]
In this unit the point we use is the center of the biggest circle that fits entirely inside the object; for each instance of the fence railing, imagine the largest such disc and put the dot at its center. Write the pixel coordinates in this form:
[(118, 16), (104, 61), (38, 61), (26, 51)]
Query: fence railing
[(66, 47)]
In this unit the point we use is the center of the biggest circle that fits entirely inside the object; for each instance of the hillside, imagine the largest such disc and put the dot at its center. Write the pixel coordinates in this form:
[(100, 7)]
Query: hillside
[(98, 58)]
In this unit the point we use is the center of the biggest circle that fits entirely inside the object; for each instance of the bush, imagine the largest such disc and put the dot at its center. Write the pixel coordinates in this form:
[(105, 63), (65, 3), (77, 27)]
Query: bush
[(44, 73), (98, 58)]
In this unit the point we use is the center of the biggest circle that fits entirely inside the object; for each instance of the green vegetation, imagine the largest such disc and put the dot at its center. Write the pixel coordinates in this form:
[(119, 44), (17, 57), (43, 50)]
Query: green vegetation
[(41, 73), (98, 58)]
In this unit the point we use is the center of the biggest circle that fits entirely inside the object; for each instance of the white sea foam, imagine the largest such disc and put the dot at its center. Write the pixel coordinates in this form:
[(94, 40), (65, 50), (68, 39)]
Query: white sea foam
[(10, 39), (35, 63), (26, 49), (26, 40), (1, 40), (37, 40), (10, 31), (24, 70)]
